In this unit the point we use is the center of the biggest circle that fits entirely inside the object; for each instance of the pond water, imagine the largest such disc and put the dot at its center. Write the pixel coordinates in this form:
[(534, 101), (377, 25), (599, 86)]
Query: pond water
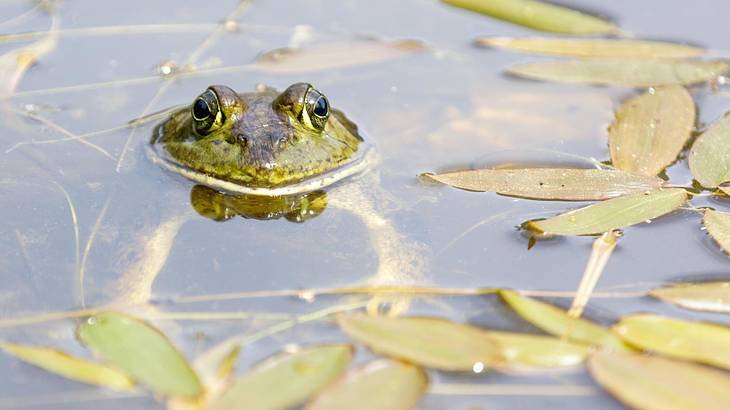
[(446, 108)]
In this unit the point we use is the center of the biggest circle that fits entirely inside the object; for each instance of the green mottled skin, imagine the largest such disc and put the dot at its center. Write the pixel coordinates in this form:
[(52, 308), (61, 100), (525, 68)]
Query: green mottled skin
[(261, 142)]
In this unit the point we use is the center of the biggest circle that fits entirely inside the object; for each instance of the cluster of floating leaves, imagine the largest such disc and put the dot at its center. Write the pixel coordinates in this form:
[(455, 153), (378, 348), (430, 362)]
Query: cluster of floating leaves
[(647, 135), (684, 369)]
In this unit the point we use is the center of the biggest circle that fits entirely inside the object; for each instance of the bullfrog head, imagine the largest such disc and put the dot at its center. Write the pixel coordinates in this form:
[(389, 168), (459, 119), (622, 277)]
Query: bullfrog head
[(259, 143)]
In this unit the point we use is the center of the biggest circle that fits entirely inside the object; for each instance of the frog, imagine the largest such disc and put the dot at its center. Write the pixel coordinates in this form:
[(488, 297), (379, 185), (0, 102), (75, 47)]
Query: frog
[(268, 154)]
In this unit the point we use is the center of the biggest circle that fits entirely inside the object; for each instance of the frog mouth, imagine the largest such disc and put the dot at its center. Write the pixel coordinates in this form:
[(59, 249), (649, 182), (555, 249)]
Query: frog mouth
[(365, 158)]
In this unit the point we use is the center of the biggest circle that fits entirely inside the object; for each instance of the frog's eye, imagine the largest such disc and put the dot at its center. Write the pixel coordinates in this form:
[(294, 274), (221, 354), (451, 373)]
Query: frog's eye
[(316, 110), (206, 112)]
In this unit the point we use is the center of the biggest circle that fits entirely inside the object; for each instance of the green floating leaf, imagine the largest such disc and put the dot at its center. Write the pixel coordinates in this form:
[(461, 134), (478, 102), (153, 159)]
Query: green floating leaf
[(379, 385), (612, 214), (651, 129), (430, 342), (525, 352), (336, 55), (709, 158), (629, 73), (538, 15), (557, 322), (701, 342), (69, 366), (142, 351), (654, 383), (592, 48), (710, 296), (286, 380), (718, 226), (550, 183)]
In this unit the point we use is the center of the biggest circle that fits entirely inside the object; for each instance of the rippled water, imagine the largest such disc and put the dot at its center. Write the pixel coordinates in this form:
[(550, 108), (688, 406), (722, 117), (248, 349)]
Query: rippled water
[(449, 107)]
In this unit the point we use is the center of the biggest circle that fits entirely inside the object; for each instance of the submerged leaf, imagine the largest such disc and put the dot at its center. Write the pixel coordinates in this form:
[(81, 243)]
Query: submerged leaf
[(526, 352), (286, 380), (142, 351), (15, 63), (710, 296), (709, 158), (651, 129), (612, 214), (557, 322), (630, 73), (718, 226), (337, 55), (654, 383), (550, 183), (430, 342), (702, 342), (379, 385), (69, 366), (538, 15), (593, 48)]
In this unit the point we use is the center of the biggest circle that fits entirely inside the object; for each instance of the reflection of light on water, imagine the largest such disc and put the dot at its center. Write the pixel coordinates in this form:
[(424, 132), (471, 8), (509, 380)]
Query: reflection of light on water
[(307, 296), (478, 367)]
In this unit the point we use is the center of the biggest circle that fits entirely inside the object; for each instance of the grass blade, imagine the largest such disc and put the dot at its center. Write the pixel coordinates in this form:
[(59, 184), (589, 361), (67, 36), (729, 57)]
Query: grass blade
[(710, 297), (592, 48), (557, 322), (629, 73), (612, 214), (538, 15), (529, 353), (550, 183), (69, 366), (702, 342)]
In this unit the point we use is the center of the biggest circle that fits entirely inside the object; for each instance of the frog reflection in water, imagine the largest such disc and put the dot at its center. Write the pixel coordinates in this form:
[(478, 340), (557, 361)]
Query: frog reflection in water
[(221, 206), (267, 154)]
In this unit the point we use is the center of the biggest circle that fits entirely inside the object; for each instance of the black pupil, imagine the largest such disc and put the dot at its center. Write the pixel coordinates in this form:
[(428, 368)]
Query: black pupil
[(320, 107), (201, 110)]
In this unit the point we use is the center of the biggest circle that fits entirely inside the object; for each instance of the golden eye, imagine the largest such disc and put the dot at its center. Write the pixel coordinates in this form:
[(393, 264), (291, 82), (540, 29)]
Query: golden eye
[(206, 112), (316, 109)]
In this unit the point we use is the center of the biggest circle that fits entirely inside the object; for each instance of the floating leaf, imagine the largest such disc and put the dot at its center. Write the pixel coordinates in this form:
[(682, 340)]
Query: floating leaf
[(379, 385), (710, 296), (286, 380), (593, 48), (550, 183), (702, 342), (718, 226), (709, 159), (69, 366), (630, 73), (527, 352), (538, 15), (142, 351), (557, 322), (651, 129), (612, 214), (337, 55), (430, 342), (654, 383)]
